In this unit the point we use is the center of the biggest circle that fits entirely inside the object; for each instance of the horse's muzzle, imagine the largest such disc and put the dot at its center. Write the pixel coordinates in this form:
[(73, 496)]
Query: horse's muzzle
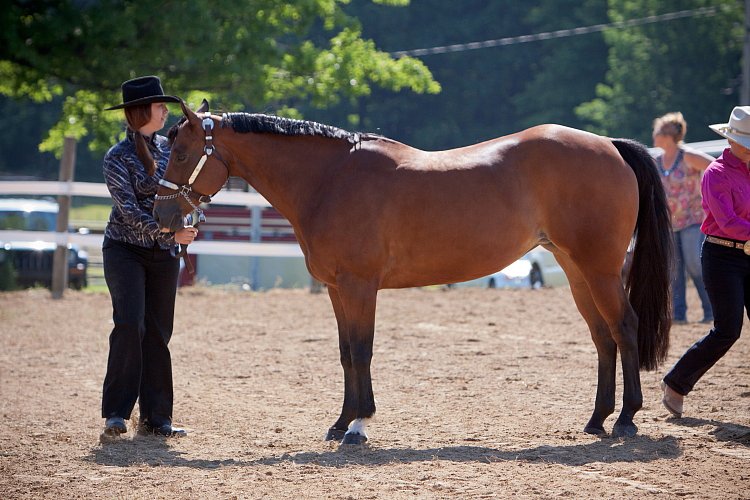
[(169, 219)]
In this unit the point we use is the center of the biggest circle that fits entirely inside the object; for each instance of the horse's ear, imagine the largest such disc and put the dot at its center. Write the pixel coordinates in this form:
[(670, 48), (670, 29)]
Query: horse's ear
[(203, 107), (189, 114)]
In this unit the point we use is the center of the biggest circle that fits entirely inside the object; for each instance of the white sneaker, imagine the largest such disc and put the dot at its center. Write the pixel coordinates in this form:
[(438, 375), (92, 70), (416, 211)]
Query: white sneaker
[(672, 400)]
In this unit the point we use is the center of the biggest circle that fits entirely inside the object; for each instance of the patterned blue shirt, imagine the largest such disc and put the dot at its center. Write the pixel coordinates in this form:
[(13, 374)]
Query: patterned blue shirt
[(133, 190)]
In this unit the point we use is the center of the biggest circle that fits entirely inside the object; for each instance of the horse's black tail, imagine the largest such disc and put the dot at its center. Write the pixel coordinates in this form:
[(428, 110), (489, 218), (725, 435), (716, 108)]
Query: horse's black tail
[(648, 282)]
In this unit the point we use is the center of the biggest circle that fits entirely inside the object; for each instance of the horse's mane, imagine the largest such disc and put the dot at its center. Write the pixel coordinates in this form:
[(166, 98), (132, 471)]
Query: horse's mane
[(268, 124), (259, 123)]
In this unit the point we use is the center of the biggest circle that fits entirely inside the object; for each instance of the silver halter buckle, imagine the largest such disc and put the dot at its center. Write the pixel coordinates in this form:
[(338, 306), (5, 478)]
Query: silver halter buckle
[(208, 124)]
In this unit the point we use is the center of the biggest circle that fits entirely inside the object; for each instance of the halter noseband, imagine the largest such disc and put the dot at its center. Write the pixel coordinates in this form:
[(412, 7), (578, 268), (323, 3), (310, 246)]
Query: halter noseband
[(186, 190)]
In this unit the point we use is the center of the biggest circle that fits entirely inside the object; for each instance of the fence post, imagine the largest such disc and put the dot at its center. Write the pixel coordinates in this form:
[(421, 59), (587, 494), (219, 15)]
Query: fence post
[(256, 221), (60, 261)]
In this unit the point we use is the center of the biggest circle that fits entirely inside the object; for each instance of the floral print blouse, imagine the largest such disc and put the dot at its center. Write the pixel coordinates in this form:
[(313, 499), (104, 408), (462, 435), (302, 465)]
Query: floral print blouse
[(683, 188)]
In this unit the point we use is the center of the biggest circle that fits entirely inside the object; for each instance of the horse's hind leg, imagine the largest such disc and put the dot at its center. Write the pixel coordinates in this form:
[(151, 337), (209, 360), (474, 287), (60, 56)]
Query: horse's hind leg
[(606, 348), (354, 303), (610, 299), (606, 351)]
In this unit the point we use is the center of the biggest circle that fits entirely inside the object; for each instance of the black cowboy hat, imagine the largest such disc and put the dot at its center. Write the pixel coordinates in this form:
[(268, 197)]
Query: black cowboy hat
[(143, 90)]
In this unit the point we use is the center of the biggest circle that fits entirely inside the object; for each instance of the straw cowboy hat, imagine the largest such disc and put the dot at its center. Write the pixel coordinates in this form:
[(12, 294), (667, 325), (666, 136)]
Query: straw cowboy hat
[(143, 90), (738, 128)]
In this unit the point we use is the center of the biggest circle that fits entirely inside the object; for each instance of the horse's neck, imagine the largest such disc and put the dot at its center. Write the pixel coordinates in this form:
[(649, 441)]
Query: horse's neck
[(287, 170)]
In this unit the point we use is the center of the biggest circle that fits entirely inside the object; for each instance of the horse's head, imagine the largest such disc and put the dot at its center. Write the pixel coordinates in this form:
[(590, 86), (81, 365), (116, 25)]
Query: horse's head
[(195, 169)]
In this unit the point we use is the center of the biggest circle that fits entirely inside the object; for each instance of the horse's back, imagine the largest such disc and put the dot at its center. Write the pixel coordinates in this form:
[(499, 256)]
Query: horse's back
[(544, 152)]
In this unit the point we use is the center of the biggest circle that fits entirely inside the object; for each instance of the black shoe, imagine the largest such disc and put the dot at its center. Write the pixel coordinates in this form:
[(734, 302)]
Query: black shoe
[(165, 430), (113, 427)]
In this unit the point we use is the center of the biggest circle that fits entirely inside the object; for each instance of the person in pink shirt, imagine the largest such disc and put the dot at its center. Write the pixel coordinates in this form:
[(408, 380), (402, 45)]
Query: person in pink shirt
[(680, 169), (725, 258)]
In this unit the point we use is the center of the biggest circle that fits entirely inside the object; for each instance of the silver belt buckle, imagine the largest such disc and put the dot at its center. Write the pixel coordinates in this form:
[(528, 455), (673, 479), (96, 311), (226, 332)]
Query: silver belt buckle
[(746, 247)]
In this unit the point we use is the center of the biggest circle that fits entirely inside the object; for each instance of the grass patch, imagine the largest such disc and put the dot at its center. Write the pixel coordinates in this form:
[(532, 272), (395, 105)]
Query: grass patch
[(102, 288), (91, 212)]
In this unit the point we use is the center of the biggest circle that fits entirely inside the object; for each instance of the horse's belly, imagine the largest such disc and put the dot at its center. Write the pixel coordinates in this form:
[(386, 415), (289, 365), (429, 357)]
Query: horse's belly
[(434, 264)]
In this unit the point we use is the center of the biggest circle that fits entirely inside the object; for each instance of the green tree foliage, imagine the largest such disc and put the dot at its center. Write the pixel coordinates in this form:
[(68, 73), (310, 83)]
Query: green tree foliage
[(250, 53), (613, 82), (690, 65), (566, 71)]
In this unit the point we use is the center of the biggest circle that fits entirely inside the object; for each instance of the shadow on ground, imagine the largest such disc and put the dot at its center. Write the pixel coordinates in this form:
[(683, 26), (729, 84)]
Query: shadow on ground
[(723, 431), (637, 449)]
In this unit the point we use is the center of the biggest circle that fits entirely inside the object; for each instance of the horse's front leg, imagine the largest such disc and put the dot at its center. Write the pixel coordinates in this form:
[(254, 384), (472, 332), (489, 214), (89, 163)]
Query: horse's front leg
[(357, 299), (351, 390)]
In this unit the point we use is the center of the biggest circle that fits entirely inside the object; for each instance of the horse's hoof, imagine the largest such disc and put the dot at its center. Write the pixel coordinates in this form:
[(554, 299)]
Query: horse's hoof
[(594, 430), (335, 434), (624, 430), (353, 438)]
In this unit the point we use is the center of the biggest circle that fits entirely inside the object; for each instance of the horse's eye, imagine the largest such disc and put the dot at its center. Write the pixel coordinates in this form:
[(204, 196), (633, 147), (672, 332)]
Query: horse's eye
[(182, 157)]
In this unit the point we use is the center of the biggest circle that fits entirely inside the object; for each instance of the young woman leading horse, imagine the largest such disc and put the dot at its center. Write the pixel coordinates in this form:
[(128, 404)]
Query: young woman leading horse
[(372, 213)]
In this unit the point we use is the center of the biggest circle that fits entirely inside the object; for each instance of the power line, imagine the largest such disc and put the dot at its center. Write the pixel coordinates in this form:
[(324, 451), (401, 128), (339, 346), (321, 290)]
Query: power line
[(461, 47)]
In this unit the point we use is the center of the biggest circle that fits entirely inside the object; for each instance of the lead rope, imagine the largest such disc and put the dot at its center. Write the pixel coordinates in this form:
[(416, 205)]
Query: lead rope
[(178, 250)]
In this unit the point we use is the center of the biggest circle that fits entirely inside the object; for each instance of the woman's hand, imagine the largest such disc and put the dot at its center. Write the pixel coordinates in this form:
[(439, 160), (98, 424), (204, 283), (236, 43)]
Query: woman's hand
[(186, 235)]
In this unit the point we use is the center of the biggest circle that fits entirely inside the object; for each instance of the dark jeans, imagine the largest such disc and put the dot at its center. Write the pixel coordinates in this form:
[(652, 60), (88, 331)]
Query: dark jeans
[(687, 260), (726, 274), (143, 286)]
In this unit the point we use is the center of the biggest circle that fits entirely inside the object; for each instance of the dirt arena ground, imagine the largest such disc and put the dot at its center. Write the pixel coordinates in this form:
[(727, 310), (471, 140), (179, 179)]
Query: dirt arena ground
[(480, 393)]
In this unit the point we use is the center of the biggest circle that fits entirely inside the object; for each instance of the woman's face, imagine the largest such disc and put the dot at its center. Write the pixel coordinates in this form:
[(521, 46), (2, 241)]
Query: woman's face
[(662, 139), (159, 113)]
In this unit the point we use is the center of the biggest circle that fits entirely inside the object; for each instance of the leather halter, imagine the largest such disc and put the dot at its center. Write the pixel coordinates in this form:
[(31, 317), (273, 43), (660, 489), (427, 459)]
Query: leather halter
[(186, 190)]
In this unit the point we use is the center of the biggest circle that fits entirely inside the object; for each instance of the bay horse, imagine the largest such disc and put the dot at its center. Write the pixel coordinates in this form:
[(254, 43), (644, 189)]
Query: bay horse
[(371, 213)]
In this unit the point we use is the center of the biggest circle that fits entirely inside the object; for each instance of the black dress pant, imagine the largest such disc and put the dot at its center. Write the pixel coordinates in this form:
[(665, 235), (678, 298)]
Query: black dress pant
[(726, 274), (143, 284)]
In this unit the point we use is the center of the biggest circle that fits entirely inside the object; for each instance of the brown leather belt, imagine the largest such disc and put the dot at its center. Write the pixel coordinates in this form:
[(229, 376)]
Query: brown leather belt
[(745, 247)]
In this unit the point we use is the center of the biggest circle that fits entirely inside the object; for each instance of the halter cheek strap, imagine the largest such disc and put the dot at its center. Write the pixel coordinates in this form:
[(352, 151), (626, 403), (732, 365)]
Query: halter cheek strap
[(208, 148), (197, 170)]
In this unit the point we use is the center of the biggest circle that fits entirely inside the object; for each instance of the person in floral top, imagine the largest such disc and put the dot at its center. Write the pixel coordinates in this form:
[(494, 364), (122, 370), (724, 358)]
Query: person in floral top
[(681, 169)]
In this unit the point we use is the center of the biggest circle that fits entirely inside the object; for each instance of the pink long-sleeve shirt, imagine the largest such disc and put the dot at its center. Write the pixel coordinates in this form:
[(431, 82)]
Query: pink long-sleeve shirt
[(726, 198)]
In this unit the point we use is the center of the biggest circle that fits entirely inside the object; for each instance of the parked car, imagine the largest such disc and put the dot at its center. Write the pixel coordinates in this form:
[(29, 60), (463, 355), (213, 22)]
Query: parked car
[(714, 147), (536, 269), (32, 260)]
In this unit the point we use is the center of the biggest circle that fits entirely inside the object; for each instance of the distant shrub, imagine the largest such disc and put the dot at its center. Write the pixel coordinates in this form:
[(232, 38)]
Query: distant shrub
[(7, 273)]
